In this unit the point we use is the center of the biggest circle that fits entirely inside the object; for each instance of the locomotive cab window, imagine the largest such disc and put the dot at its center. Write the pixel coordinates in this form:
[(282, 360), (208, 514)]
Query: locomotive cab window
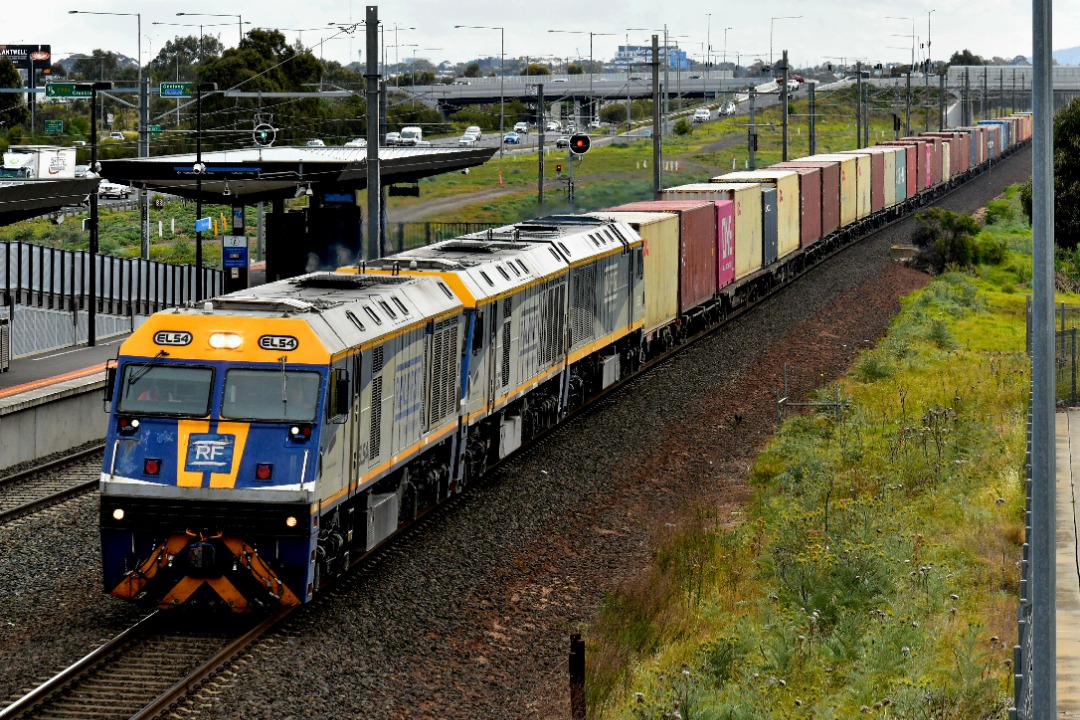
[(277, 395), (148, 388)]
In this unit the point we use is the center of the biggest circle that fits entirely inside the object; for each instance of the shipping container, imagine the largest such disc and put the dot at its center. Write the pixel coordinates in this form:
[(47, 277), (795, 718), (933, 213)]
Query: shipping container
[(863, 200), (660, 234), (959, 149), (916, 164), (901, 178), (946, 160), (1001, 140), (887, 170), (830, 190), (747, 199), (934, 155), (809, 201), (848, 196), (874, 164), (725, 227), (978, 136), (769, 224), (698, 244), (972, 144), (786, 184)]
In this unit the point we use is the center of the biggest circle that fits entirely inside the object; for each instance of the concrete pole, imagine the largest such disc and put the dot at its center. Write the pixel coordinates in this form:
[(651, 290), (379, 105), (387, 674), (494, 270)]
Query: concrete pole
[(941, 101), (752, 130), (658, 136), (858, 105), (907, 108), (540, 139), (784, 102), (1044, 623), (813, 118), (374, 186)]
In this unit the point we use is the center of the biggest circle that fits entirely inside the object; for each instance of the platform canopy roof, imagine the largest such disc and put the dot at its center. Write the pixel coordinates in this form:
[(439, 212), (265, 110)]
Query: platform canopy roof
[(255, 174), (22, 199)]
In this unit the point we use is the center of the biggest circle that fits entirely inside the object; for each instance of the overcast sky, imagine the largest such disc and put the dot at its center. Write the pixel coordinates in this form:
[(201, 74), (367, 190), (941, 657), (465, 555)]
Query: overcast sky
[(827, 29)]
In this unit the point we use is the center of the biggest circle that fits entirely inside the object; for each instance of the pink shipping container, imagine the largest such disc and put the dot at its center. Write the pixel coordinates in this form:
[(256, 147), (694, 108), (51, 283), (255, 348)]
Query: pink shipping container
[(698, 241), (959, 149), (935, 154), (978, 133), (809, 201), (786, 183), (830, 190), (876, 162), (749, 248), (916, 164)]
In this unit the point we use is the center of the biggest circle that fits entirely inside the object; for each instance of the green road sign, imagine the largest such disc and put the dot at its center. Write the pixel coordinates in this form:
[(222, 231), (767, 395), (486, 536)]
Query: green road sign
[(176, 89), (67, 90), (54, 127), (155, 130)]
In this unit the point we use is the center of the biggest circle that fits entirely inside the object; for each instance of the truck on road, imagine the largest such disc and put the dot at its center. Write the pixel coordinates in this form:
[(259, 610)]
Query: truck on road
[(38, 162)]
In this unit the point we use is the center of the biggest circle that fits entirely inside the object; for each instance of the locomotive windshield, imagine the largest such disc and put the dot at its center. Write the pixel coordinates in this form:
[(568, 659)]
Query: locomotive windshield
[(274, 395), (167, 389)]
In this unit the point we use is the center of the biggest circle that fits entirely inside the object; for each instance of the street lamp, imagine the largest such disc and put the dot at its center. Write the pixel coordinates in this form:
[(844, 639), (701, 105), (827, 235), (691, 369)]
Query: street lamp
[(724, 60), (91, 315), (929, 62), (592, 70), (667, 64), (239, 21), (772, 21), (502, 74), (894, 17), (138, 21), (199, 169)]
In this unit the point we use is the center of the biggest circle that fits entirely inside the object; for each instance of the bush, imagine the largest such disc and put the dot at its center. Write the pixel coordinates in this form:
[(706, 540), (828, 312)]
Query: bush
[(683, 127), (944, 239)]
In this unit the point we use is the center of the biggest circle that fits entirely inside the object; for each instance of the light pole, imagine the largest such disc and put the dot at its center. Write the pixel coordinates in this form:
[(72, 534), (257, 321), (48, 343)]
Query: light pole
[(592, 70), (199, 168), (895, 17), (138, 26), (502, 75), (708, 41), (724, 60), (667, 86), (772, 21), (91, 315), (239, 21)]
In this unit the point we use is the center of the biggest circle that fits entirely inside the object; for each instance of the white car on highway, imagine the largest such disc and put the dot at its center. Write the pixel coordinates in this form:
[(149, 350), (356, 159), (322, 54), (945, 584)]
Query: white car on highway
[(113, 190)]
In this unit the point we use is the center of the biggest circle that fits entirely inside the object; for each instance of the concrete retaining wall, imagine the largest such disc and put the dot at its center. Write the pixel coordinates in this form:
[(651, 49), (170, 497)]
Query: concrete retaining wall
[(52, 419)]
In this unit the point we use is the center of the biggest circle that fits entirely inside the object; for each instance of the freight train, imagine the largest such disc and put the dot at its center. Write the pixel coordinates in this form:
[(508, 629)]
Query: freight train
[(262, 442)]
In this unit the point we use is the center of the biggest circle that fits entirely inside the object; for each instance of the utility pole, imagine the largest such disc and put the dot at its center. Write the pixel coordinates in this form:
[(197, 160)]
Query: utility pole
[(941, 101), (374, 186), (813, 118), (540, 140), (657, 140), (907, 107), (966, 114), (858, 104), (784, 102), (984, 102), (144, 151), (752, 130)]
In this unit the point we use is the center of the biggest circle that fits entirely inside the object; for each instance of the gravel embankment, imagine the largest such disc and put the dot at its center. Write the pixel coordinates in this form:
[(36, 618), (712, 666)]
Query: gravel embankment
[(470, 616)]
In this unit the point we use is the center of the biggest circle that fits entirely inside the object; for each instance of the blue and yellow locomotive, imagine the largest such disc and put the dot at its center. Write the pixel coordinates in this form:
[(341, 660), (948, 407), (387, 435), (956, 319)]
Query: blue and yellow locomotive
[(263, 441)]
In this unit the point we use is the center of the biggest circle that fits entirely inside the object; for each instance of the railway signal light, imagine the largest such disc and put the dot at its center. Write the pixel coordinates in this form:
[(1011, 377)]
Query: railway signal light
[(580, 143), (558, 169)]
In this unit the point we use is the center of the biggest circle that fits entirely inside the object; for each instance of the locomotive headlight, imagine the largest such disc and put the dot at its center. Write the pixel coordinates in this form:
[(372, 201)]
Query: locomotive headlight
[(291, 522), (226, 341), (118, 514)]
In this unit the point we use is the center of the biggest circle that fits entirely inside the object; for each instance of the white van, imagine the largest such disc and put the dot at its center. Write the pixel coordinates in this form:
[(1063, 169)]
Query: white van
[(410, 136), (474, 130), (702, 115)]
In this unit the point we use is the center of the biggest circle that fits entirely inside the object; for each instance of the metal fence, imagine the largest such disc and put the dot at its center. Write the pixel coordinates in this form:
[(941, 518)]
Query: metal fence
[(402, 236), (60, 279), (1023, 651)]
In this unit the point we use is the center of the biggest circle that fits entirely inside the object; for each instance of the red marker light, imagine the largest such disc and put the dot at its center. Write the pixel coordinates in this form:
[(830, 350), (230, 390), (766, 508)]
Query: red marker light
[(152, 466), (264, 471)]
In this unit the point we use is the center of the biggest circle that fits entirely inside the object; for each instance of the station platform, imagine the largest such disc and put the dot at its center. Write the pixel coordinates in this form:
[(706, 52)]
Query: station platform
[(1067, 596)]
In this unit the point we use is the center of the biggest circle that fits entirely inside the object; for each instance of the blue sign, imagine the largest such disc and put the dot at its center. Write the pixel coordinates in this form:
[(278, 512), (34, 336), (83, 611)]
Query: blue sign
[(202, 224), (209, 452), (234, 257)]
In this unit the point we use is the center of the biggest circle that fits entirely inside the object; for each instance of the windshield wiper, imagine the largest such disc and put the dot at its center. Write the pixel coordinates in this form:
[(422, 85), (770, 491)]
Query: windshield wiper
[(146, 368)]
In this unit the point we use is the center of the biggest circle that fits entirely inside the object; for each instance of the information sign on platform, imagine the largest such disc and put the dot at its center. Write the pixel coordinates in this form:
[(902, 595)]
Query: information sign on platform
[(234, 251), (202, 224)]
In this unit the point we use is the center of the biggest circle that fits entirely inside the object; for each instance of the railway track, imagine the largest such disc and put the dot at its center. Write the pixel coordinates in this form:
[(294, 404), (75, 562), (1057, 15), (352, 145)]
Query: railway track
[(50, 482), (143, 671)]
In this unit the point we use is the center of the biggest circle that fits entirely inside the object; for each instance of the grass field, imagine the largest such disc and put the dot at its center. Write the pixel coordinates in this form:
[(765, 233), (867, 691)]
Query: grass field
[(874, 572)]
